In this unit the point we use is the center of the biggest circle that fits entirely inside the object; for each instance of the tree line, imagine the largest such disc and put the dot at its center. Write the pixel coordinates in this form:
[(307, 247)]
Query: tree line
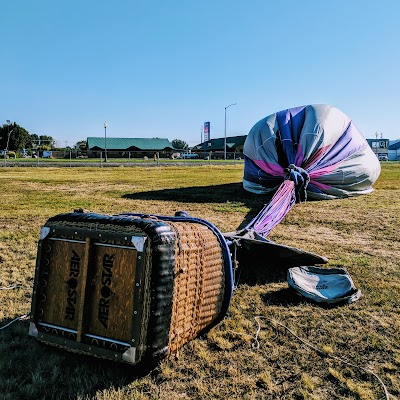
[(15, 137)]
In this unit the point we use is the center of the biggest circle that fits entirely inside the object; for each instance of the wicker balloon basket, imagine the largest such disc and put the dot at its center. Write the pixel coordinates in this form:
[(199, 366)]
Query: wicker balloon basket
[(129, 287)]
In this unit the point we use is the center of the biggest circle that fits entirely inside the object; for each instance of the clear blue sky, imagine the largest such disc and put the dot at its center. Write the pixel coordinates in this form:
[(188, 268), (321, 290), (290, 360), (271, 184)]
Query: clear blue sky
[(163, 68)]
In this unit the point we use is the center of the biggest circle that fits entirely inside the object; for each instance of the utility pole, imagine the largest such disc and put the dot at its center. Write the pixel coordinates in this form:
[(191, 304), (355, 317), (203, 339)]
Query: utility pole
[(233, 104), (8, 133), (105, 141)]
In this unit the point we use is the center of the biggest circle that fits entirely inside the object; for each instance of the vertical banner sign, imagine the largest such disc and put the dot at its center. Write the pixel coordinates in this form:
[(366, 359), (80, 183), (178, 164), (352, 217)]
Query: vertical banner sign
[(206, 131)]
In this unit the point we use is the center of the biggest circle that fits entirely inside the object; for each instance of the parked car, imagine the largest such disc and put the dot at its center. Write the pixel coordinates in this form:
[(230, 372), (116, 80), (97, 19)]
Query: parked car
[(383, 157), (189, 155), (8, 154), (47, 154)]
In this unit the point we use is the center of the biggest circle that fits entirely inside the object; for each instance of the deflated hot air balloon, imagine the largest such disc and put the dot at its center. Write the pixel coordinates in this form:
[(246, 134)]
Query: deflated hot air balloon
[(313, 152), (319, 138)]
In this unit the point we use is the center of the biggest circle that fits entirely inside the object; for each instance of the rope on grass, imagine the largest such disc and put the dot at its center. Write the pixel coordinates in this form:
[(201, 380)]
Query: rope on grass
[(20, 318), (16, 286), (10, 287), (256, 345)]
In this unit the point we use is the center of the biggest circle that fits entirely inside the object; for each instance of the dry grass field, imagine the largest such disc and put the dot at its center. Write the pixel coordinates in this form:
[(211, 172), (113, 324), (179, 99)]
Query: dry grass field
[(360, 234)]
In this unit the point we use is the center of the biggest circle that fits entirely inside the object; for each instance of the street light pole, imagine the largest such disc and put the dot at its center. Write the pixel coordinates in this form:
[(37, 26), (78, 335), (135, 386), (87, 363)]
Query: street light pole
[(8, 138), (105, 141), (8, 133), (233, 104)]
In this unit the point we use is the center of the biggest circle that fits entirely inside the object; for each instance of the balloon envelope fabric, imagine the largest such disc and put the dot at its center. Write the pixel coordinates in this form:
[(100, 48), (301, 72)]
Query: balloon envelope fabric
[(333, 156), (319, 138)]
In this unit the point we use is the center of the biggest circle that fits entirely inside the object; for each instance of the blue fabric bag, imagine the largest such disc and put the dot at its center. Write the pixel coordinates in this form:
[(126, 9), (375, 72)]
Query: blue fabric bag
[(323, 285)]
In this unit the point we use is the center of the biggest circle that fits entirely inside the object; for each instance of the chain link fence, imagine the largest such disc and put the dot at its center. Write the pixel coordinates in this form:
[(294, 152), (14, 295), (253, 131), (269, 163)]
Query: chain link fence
[(96, 158)]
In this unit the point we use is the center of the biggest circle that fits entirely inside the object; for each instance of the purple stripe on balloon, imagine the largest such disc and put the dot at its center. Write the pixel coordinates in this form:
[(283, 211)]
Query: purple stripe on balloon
[(323, 171), (320, 185), (299, 157), (298, 115), (273, 213), (313, 189), (350, 142), (315, 158), (290, 124), (269, 168)]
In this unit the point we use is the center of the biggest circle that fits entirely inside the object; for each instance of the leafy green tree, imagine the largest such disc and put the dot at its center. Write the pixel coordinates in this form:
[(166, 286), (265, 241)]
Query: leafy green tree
[(42, 142), (180, 144), (4, 135), (81, 145), (34, 143), (19, 138), (48, 141), (15, 136)]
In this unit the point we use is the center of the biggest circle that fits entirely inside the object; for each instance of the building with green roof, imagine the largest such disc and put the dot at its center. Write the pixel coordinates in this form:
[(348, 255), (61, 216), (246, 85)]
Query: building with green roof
[(234, 146), (129, 147)]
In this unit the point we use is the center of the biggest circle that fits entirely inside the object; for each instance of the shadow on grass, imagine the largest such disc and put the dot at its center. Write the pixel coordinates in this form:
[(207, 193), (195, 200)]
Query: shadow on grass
[(252, 272), (282, 297), (231, 192), (289, 297), (32, 370), (258, 264)]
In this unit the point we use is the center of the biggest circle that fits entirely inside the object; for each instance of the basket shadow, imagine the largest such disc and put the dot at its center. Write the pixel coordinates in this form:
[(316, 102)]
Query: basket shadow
[(282, 297), (231, 192), (252, 272), (258, 264)]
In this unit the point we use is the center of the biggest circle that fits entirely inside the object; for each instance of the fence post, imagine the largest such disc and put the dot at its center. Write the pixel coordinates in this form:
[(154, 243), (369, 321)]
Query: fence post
[(101, 159), (70, 158)]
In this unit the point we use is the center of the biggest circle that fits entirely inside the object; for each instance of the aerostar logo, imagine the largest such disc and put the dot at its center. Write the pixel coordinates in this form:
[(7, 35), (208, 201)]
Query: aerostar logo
[(74, 269), (104, 302)]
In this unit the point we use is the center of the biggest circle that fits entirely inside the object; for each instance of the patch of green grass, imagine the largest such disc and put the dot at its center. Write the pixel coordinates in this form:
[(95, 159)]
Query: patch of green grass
[(232, 206), (359, 234)]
